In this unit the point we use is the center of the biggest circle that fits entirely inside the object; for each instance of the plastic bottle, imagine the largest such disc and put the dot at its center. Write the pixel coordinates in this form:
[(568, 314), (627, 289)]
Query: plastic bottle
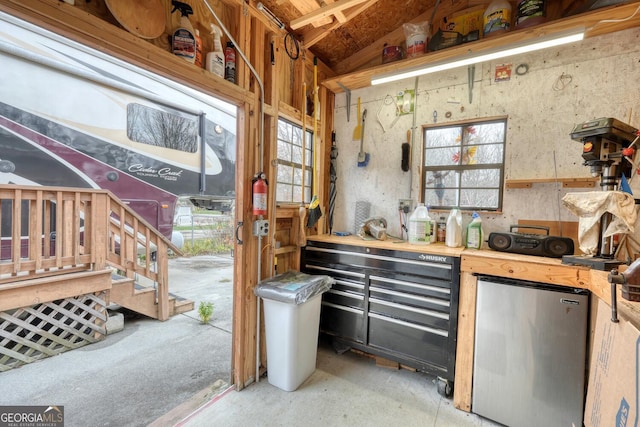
[(230, 63), (198, 61), (453, 237), (474, 232), (420, 230), (433, 230), (531, 12), (442, 230), (215, 58), (497, 17), (183, 41)]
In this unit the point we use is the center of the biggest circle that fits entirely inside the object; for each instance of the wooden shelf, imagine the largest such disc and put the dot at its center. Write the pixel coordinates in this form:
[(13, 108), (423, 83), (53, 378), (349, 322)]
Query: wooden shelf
[(566, 182), (593, 22)]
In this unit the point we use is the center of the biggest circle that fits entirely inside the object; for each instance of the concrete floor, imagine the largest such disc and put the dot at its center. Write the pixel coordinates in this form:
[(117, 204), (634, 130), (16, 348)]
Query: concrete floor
[(345, 389), (175, 373)]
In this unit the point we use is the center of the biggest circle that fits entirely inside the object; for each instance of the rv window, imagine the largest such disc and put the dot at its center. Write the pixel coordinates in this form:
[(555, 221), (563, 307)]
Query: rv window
[(175, 130)]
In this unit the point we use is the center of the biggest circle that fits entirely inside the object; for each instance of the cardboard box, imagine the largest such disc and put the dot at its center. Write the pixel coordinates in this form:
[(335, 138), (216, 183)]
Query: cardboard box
[(465, 21), (612, 393)]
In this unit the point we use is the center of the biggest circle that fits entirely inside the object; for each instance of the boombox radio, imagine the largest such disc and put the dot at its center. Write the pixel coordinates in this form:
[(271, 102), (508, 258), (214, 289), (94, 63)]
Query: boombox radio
[(531, 244)]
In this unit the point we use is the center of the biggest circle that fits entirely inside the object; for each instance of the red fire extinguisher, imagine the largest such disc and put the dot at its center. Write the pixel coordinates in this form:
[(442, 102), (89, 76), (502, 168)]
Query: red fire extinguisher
[(259, 194)]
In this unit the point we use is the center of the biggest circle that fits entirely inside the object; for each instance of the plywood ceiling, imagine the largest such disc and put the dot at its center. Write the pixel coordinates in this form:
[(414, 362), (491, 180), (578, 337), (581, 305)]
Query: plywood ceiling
[(334, 30), (349, 35)]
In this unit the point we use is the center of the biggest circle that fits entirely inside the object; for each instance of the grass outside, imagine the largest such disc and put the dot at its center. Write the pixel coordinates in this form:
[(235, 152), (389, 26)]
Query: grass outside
[(210, 234)]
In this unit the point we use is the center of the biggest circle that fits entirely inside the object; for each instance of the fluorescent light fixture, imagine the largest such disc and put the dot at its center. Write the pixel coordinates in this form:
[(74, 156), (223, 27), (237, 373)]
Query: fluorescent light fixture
[(489, 55)]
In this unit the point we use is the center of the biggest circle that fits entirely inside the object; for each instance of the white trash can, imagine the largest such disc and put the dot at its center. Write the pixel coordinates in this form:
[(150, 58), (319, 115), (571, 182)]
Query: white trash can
[(292, 321)]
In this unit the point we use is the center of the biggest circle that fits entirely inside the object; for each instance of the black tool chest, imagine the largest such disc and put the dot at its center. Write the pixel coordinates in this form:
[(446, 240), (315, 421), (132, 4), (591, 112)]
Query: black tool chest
[(401, 305)]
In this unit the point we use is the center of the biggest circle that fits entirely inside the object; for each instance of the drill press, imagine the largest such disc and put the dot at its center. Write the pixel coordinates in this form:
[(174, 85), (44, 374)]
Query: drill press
[(607, 147)]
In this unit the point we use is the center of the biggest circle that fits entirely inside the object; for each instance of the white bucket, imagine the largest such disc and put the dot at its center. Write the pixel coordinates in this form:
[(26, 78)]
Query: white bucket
[(416, 37), (416, 44)]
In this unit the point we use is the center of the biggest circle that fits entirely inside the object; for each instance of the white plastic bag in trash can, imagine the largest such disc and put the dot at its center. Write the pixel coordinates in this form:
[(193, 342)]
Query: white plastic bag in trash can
[(293, 287), (292, 321)]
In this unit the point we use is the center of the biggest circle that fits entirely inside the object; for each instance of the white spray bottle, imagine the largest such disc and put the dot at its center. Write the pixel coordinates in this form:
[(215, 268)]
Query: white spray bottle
[(215, 58)]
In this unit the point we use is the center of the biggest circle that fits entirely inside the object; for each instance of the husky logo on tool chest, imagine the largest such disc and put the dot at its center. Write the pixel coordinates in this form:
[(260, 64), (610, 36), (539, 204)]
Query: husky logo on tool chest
[(434, 258)]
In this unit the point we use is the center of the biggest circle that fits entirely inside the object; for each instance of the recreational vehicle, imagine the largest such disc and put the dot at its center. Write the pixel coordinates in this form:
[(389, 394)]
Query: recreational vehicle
[(75, 117)]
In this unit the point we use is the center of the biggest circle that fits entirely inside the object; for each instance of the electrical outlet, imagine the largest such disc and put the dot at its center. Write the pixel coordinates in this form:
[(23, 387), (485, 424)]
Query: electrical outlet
[(261, 227), (405, 205)]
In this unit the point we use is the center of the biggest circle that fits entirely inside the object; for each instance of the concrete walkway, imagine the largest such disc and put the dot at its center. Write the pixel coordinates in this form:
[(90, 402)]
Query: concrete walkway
[(140, 374)]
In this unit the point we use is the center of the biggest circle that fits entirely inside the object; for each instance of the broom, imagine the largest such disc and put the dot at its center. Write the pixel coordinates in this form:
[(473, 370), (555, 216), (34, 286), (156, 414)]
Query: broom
[(314, 207), (302, 211)]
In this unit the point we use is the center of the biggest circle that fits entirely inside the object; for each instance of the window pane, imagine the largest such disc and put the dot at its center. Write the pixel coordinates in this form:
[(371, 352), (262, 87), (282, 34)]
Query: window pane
[(444, 188), (486, 133), (297, 139), (307, 193), (285, 173), (284, 131), (283, 191), (441, 156), (483, 154), (481, 178), (477, 199), (296, 154), (169, 129), (284, 151), (297, 192), (307, 180), (297, 177), (444, 137), (440, 179)]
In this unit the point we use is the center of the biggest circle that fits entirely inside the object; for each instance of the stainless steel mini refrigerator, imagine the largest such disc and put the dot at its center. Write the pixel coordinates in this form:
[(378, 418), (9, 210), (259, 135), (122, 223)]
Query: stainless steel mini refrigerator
[(530, 353)]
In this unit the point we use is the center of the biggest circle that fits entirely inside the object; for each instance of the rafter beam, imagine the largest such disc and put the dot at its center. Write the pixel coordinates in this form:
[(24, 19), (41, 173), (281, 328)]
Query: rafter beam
[(324, 12), (313, 36), (339, 15), (307, 6)]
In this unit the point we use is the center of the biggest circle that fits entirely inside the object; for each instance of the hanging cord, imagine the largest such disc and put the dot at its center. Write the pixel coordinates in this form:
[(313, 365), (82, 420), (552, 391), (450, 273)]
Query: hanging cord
[(291, 46), (611, 21), (555, 169)]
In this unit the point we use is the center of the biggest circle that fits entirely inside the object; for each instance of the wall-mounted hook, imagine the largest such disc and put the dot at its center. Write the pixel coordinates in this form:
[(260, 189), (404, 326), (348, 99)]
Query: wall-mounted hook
[(348, 92)]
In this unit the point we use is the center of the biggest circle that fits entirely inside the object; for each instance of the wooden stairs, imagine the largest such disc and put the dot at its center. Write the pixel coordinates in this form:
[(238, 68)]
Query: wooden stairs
[(96, 234), (128, 293), (55, 291)]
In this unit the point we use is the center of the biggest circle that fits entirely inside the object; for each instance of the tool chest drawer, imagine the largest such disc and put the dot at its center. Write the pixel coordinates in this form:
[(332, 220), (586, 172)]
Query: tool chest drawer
[(398, 304)]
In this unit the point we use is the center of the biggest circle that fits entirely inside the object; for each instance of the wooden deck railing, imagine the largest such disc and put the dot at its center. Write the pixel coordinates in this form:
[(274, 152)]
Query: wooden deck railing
[(46, 231)]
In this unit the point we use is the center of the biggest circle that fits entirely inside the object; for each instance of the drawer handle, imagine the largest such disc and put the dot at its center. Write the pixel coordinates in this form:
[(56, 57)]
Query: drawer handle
[(416, 298), (343, 308), (424, 312), (346, 294), (410, 325)]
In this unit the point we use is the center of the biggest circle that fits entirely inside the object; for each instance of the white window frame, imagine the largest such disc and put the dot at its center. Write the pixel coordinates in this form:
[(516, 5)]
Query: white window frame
[(473, 172)]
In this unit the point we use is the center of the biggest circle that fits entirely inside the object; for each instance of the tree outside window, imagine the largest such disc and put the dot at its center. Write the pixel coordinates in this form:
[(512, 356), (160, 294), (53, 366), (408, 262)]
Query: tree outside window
[(463, 165)]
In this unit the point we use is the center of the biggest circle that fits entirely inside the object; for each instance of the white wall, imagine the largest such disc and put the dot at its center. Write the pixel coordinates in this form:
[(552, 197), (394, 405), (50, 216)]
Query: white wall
[(604, 82)]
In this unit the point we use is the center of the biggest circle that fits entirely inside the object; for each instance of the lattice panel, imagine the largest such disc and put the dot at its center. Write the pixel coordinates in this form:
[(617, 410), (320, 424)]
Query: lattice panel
[(32, 333)]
